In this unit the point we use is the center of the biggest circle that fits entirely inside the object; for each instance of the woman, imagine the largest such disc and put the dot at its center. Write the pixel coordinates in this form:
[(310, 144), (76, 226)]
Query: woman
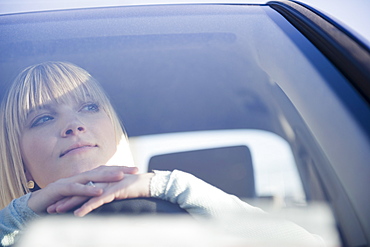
[(63, 148)]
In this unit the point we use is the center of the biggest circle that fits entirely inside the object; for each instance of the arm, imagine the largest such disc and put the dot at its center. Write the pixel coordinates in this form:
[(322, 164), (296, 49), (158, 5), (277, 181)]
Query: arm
[(203, 200), (13, 219), (194, 195)]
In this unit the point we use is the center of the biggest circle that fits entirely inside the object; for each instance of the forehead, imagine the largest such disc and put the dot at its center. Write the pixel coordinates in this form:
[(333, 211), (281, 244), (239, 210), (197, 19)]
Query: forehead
[(52, 102), (57, 93), (49, 100)]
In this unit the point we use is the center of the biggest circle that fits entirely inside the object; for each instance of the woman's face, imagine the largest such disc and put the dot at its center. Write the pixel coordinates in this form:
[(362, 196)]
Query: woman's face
[(61, 140)]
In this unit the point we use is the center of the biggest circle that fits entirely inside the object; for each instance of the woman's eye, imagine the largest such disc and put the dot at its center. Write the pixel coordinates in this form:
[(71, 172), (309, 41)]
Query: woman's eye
[(91, 108), (41, 120)]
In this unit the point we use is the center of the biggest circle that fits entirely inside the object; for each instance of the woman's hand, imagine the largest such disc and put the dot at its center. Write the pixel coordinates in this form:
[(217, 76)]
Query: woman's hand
[(131, 186), (76, 186)]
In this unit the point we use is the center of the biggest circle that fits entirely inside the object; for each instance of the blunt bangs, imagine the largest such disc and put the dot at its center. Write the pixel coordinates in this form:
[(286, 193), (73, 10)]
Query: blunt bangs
[(55, 82)]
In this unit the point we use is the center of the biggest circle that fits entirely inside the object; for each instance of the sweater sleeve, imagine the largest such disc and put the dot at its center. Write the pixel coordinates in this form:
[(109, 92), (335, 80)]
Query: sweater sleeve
[(194, 195), (14, 218), (202, 200)]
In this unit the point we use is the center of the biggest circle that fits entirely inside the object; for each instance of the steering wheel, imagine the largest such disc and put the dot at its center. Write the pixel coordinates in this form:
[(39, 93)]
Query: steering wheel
[(137, 206)]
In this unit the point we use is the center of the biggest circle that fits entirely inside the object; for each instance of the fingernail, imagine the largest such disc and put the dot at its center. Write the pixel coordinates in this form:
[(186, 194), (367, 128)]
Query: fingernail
[(77, 213), (98, 191)]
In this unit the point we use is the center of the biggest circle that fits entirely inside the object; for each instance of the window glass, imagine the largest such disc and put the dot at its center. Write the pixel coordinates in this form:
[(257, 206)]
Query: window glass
[(171, 69)]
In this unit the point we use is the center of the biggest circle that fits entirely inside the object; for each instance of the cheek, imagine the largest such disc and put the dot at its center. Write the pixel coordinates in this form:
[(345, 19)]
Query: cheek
[(105, 130), (110, 136), (35, 152)]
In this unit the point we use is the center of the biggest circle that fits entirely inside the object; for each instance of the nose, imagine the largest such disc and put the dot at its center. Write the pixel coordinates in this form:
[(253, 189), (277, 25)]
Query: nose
[(74, 128)]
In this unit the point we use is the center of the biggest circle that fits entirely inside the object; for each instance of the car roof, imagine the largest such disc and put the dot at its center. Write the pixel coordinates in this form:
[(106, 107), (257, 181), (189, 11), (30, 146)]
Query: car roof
[(22, 6), (351, 15)]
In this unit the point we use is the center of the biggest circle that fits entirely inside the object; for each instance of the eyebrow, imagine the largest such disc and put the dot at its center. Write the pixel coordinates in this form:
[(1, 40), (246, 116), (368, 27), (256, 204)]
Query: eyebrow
[(40, 108)]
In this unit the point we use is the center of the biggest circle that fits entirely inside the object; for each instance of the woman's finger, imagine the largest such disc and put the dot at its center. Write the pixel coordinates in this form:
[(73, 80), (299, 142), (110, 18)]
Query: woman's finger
[(93, 203), (130, 170), (104, 174), (40, 200), (132, 186), (52, 208), (71, 203)]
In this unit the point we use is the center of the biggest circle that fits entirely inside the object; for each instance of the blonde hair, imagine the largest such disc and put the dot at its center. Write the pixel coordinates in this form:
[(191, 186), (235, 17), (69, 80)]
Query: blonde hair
[(35, 86)]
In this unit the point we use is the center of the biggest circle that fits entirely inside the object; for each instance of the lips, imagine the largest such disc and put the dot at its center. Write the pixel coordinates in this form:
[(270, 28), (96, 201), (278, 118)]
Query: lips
[(77, 146)]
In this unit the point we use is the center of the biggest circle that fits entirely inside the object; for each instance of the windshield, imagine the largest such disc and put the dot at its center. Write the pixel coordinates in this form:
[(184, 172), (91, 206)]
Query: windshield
[(231, 77)]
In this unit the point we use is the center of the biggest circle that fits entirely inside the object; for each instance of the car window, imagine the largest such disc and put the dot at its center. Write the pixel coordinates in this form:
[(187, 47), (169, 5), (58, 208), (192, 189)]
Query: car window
[(213, 68), (252, 164), (241, 77)]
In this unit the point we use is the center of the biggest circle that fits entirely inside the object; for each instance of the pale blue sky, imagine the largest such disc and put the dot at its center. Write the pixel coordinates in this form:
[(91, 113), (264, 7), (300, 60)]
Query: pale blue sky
[(353, 14)]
